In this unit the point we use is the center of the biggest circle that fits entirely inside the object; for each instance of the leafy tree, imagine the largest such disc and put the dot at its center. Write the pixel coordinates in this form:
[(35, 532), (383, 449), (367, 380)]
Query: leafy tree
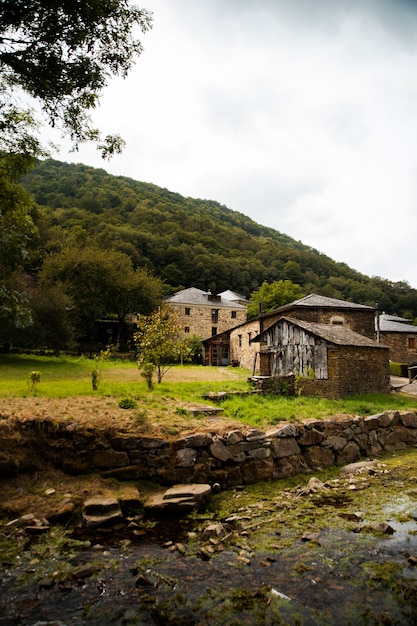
[(101, 283), (63, 53), (16, 228), (51, 325), (273, 295), (157, 343)]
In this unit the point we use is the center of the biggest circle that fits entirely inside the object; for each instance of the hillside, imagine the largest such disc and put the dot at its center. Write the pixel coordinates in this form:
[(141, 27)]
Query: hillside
[(191, 242)]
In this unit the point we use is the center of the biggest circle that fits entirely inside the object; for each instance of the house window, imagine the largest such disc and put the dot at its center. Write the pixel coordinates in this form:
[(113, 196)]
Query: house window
[(239, 337), (214, 316), (249, 338), (411, 343), (233, 315), (187, 329), (213, 331), (187, 310)]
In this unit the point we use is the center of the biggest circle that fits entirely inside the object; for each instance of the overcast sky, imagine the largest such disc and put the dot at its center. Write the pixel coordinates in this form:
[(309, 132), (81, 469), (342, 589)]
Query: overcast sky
[(301, 114)]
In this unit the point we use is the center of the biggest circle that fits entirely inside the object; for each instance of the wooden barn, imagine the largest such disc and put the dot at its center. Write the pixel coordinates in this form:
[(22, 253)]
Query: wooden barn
[(334, 360)]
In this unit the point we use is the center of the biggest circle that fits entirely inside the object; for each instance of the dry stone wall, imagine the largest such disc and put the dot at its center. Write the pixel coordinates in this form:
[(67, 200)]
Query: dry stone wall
[(229, 459)]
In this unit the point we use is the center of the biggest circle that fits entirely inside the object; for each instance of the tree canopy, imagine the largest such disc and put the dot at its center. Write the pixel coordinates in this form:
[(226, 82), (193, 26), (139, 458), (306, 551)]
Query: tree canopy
[(190, 242), (270, 296), (62, 53), (100, 284)]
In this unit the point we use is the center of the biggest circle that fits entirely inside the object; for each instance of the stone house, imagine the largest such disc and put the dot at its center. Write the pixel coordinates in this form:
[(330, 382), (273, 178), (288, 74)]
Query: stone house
[(205, 314), (334, 360), (236, 343), (400, 336)]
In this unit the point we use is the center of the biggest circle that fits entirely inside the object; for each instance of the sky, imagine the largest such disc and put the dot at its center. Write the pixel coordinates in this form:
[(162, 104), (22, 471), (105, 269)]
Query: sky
[(301, 114)]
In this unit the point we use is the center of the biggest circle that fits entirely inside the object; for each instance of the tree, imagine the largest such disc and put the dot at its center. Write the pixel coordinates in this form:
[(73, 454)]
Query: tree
[(51, 326), (273, 295), (157, 343), (16, 228), (100, 283), (62, 54)]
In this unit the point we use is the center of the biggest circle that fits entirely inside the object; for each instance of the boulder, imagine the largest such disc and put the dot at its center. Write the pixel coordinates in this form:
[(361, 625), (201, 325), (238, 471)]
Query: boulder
[(179, 499), (101, 511)]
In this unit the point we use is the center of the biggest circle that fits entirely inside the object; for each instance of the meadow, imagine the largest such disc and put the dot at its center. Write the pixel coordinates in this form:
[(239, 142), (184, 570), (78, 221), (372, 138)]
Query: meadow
[(65, 387)]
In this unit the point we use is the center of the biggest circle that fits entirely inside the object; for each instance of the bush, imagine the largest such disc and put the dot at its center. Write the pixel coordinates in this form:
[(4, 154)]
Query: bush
[(127, 403)]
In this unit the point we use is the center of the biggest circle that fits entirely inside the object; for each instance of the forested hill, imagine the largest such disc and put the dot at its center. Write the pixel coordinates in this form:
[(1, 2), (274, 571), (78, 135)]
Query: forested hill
[(191, 242)]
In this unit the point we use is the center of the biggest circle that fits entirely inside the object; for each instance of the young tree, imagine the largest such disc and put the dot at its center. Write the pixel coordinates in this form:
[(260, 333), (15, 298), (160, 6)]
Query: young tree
[(273, 295), (63, 53), (157, 343)]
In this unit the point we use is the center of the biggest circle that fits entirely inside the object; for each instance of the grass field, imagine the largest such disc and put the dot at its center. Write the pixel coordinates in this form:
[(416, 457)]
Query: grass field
[(65, 390)]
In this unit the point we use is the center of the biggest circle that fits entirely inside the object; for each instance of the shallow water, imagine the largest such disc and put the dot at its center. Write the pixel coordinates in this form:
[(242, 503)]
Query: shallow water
[(266, 575)]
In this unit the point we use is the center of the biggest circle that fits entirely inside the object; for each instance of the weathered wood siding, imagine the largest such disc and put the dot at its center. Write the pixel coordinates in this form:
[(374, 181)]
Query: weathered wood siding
[(293, 350)]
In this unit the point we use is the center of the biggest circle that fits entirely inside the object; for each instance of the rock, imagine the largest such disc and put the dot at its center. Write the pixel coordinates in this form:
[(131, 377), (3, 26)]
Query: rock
[(179, 499), (381, 527), (234, 436), (350, 453), (314, 537), (358, 468), (101, 512), (214, 530), (185, 457), (257, 470), (220, 451), (314, 484)]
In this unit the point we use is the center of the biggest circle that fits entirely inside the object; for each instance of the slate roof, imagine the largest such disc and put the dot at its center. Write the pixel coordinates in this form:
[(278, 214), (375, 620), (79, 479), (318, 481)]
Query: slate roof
[(394, 324), (338, 335), (233, 296), (198, 297), (315, 301)]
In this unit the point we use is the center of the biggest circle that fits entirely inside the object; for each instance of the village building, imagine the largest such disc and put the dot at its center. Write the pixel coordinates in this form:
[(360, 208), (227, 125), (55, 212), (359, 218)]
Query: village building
[(236, 347), (401, 337), (332, 360), (204, 314)]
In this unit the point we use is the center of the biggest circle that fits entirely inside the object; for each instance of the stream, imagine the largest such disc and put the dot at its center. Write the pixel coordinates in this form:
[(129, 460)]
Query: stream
[(346, 554)]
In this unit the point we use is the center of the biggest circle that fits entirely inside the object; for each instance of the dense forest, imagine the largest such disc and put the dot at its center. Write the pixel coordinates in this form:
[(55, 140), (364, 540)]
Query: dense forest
[(189, 242)]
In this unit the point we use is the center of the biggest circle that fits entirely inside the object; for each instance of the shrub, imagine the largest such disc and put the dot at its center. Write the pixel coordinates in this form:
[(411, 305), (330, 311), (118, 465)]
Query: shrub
[(127, 403), (34, 378)]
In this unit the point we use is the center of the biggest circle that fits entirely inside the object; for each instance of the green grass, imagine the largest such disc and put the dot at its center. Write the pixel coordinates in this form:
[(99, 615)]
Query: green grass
[(65, 376)]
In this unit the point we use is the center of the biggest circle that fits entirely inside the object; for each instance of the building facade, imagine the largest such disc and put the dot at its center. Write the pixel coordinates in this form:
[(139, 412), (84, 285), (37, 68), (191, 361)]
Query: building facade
[(400, 336), (205, 314), (333, 361)]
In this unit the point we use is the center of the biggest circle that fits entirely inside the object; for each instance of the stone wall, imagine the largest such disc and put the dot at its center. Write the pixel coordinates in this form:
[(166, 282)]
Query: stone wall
[(242, 350), (399, 351), (199, 321), (230, 459), (362, 322), (352, 370)]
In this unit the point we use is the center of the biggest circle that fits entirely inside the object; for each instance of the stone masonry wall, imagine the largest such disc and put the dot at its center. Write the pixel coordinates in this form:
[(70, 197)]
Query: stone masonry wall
[(230, 459), (200, 322), (398, 347)]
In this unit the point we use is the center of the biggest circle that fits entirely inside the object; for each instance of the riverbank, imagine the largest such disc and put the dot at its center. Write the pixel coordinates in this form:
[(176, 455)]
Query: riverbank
[(338, 547)]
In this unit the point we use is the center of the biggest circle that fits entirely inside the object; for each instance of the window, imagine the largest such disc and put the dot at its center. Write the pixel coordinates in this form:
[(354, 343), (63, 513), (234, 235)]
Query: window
[(214, 316), (411, 343), (187, 329), (187, 310), (239, 337), (249, 338), (213, 331), (233, 315)]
